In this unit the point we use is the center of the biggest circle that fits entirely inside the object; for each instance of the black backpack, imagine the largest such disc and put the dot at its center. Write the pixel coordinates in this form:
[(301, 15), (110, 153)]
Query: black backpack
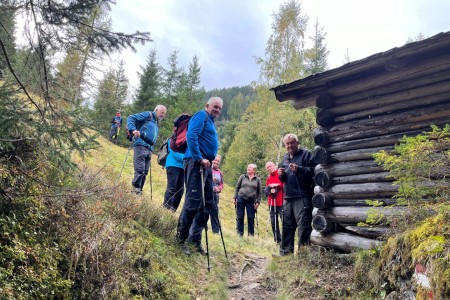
[(163, 153)]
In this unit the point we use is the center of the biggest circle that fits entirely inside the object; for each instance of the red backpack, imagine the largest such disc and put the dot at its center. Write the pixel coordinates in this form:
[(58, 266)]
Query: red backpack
[(178, 141)]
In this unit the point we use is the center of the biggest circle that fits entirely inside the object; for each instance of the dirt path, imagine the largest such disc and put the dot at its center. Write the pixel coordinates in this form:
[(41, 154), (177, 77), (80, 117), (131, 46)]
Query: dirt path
[(247, 278)]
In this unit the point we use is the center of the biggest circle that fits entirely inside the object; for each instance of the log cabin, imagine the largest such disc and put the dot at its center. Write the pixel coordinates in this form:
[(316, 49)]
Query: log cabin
[(364, 107)]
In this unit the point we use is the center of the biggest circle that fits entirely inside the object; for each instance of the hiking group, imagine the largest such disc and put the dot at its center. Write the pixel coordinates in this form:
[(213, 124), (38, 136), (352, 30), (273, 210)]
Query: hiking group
[(190, 157)]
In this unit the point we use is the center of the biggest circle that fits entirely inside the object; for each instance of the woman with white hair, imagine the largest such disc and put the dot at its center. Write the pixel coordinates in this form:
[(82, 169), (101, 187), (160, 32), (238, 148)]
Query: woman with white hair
[(247, 197)]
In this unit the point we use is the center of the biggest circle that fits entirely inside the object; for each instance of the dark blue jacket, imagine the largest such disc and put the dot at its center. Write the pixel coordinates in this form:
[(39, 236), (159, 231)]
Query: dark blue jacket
[(202, 139), (147, 124), (301, 183)]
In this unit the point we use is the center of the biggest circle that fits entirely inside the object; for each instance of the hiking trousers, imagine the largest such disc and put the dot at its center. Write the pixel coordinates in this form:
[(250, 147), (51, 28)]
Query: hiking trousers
[(297, 215), (275, 213), (175, 188), (141, 164), (193, 203), (243, 205), (215, 214)]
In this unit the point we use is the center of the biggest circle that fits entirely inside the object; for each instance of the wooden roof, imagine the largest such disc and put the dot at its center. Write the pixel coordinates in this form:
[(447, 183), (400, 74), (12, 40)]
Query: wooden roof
[(304, 92)]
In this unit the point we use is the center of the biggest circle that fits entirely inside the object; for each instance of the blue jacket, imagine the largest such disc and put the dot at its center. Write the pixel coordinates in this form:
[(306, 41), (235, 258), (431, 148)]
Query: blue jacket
[(116, 120), (202, 139), (145, 125), (174, 159)]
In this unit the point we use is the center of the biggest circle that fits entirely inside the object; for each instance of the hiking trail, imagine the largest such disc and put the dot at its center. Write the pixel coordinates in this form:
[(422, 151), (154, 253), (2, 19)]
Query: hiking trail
[(248, 278)]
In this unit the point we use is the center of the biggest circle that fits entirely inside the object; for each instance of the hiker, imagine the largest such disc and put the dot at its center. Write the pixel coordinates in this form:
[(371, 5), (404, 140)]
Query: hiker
[(175, 179), (202, 147), (297, 174), (144, 127), (247, 196), (217, 187), (116, 123), (274, 193)]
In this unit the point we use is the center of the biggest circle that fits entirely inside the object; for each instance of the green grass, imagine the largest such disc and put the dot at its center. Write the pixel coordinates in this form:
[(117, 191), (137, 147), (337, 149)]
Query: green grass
[(108, 159)]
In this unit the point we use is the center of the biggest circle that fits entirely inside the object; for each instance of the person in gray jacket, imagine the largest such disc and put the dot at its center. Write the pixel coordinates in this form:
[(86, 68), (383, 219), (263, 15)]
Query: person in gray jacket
[(247, 196)]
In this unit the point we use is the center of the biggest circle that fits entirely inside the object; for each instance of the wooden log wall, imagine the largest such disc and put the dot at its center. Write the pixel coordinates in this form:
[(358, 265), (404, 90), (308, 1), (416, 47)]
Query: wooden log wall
[(358, 119)]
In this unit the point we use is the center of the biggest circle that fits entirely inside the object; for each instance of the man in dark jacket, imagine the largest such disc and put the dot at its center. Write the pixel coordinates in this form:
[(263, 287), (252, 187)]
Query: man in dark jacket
[(203, 144), (144, 127), (297, 174)]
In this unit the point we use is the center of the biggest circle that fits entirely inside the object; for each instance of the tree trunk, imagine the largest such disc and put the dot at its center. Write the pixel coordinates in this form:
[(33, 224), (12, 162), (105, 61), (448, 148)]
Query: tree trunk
[(363, 190), (368, 231), (343, 241), (364, 202), (325, 180), (357, 214), (323, 156), (350, 168)]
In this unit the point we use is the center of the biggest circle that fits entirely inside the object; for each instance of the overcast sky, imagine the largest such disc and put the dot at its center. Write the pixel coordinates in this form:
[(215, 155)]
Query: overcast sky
[(227, 35)]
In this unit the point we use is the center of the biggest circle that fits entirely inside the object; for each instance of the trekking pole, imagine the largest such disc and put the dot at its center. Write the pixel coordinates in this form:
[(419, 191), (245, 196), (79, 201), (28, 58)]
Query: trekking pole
[(257, 227), (275, 236), (151, 185), (126, 157), (220, 229), (268, 219), (204, 215)]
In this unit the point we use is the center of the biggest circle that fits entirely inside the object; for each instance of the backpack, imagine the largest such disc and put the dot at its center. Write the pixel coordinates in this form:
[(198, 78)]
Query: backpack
[(163, 153), (178, 141), (129, 135)]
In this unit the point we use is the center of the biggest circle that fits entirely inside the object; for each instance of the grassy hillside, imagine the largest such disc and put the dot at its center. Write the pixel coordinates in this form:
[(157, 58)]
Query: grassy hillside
[(108, 160)]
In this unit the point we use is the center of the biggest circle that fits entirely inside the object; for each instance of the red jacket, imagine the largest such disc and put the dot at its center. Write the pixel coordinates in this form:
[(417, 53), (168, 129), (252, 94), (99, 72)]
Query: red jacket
[(278, 197)]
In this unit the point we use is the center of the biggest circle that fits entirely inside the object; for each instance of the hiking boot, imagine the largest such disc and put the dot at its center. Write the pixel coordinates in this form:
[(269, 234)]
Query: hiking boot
[(200, 250), (185, 249), (137, 191)]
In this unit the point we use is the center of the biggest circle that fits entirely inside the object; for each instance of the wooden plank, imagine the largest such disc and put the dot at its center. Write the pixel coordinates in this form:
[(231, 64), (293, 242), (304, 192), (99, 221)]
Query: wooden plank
[(424, 126), (404, 118), (441, 85), (367, 86), (424, 101)]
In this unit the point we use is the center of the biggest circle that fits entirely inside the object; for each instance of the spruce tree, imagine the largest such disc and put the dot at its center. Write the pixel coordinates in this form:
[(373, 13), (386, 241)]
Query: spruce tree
[(149, 85)]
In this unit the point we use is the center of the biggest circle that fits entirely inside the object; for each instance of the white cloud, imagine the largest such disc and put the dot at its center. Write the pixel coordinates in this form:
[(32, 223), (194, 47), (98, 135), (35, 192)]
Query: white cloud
[(226, 35)]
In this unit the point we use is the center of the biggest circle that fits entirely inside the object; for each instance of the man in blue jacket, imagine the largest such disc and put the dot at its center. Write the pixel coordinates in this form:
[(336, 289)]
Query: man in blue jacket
[(116, 123), (203, 144), (144, 127)]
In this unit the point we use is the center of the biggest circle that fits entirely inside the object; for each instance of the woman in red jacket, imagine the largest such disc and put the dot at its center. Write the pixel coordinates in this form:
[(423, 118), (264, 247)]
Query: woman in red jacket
[(274, 192)]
